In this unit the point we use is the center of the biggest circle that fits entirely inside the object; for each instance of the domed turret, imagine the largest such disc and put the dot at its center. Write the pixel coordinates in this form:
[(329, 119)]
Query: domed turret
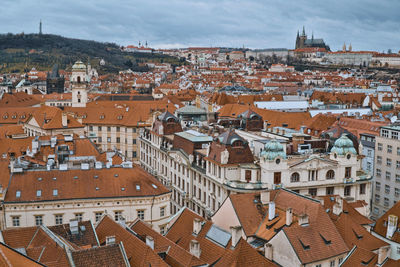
[(272, 150), (79, 66), (343, 145)]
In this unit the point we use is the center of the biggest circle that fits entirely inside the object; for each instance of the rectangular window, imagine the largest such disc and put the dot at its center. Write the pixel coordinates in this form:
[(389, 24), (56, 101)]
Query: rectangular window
[(90, 128), (134, 154), (98, 215), (330, 190), (118, 140), (386, 202), (395, 135), (162, 230), (385, 133), (38, 193), (388, 175), (162, 211), (332, 264), (388, 162), (387, 189), (377, 186), (118, 129), (347, 190), (379, 160), (79, 216), (397, 164), (59, 219), (362, 189), (117, 215), (15, 221), (312, 191), (347, 173), (377, 198), (140, 214), (133, 141), (378, 172), (380, 146), (99, 128), (38, 220), (398, 151), (397, 192), (389, 149), (398, 178), (108, 129), (248, 176)]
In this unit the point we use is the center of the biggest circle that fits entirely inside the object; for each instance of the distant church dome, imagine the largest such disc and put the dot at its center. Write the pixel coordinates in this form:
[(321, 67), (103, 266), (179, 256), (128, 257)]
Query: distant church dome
[(79, 66), (343, 145), (272, 150)]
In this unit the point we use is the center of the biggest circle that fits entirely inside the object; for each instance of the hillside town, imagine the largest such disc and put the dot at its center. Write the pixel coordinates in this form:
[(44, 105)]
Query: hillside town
[(236, 157)]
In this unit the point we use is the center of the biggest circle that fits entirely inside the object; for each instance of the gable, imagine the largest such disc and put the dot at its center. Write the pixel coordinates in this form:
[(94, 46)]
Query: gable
[(32, 122), (225, 217), (314, 163), (283, 252)]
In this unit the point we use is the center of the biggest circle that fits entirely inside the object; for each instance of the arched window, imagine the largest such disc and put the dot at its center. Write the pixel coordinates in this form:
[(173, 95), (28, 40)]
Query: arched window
[(330, 174), (79, 79), (295, 177)]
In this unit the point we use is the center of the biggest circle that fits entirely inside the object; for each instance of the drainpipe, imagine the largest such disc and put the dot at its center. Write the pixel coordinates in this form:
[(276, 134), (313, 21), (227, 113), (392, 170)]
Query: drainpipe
[(151, 211)]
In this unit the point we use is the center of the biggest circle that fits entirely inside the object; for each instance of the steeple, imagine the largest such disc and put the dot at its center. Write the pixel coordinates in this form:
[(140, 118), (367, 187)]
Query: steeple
[(344, 47), (312, 36), (40, 27), (350, 47), (304, 31)]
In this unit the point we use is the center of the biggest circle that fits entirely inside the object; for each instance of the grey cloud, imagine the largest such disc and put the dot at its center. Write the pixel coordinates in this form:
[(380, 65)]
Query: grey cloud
[(367, 24)]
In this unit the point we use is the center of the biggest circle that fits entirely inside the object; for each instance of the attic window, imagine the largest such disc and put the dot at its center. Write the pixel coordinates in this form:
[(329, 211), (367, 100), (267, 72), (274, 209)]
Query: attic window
[(326, 241), (96, 176), (119, 117), (38, 193), (123, 189), (305, 247), (18, 194), (138, 187), (40, 179), (97, 189), (116, 175), (55, 192), (101, 116), (154, 186), (54, 178), (75, 177)]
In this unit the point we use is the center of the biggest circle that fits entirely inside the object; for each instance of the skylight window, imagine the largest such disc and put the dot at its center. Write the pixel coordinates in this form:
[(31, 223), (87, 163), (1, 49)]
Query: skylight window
[(123, 189), (96, 176), (40, 179), (55, 192), (75, 177), (38, 193), (116, 175), (54, 178), (18, 194), (138, 187), (154, 186)]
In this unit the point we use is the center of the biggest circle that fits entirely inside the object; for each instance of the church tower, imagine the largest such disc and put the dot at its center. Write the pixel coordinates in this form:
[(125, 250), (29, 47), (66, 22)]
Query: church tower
[(40, 27), (79, 84)]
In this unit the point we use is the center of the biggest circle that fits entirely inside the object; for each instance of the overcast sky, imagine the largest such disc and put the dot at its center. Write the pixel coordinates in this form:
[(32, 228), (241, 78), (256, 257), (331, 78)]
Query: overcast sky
[(366, 24)]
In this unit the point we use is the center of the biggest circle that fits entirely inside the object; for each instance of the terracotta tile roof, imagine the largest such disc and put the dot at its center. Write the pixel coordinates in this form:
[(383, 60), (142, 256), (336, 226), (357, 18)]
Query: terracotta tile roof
[(138, 253), (51, 118), (82, 184), (361, 257), (381, 224), (110, 255), (175, 254), (14, 115), (85, 238), (10, 257), (10, 130), (20, 99), (181, 232), (274, 118)]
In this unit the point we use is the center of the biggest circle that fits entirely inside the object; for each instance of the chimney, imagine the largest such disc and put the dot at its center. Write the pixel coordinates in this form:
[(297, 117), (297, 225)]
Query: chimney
[(73, 226), (64, 120), (391, 226), (196, 226), (271, 211), (265, 197), (303, 220), (289, 216), (268, 251), (382, 254), (195, 248), (338, 206), (236, 233), (150, 242)]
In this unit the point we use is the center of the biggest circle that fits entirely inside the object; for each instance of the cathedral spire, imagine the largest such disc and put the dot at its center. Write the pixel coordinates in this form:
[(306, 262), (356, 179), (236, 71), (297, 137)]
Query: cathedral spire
[(312, 36), (40, 27), (304, 31), (344, 47)]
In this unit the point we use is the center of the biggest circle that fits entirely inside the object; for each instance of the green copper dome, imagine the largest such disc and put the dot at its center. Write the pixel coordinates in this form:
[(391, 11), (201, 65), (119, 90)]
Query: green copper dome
[(79, 66), (272, 150), (344, 145)]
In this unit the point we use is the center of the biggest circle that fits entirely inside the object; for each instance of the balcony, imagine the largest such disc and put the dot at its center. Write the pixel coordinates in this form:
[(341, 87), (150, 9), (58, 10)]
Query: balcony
[(246, 186)]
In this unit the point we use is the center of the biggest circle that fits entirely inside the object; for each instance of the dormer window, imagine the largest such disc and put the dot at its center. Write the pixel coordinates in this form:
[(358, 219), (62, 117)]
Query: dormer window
[(237, 143), (38, 193), (101, 116), (18, 194)]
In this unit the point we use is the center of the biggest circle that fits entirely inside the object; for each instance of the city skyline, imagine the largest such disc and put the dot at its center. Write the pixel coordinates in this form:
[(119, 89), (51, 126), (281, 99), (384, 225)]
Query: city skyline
[(367, 25)]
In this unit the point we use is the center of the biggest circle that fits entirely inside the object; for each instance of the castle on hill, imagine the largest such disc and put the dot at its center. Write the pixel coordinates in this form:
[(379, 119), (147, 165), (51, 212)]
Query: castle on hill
[(303, 42)]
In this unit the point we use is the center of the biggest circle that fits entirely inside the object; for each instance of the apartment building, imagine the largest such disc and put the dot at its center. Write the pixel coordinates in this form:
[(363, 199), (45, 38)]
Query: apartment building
[(62, 178), (386, 190)]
